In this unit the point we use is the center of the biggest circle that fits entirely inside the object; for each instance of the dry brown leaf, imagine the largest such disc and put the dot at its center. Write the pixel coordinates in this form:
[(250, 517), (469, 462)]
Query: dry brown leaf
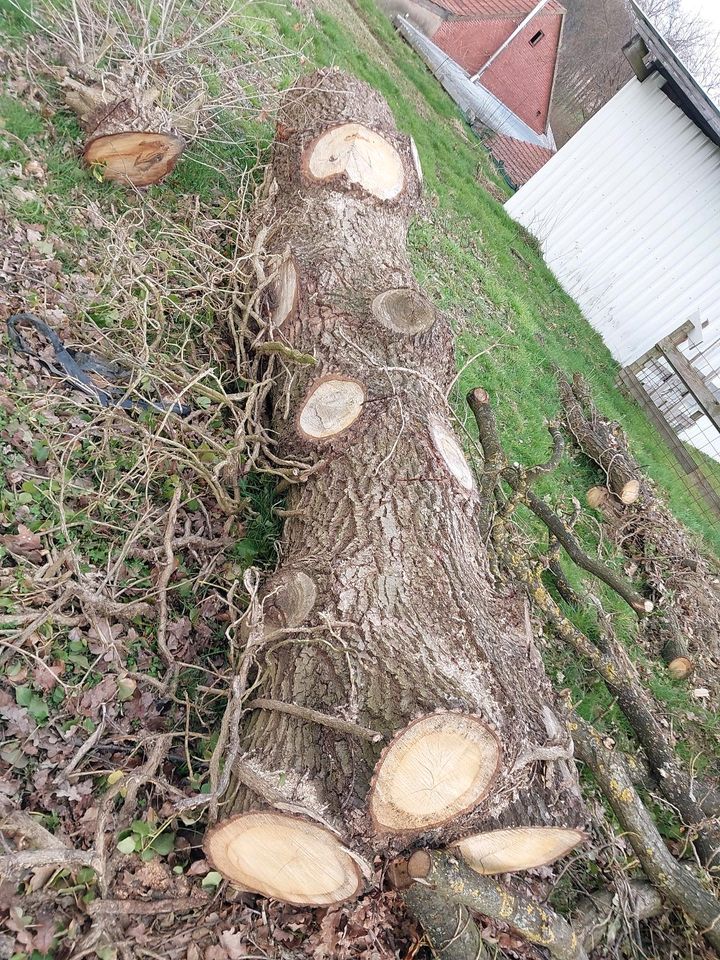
[(24, 545), (234, 943)]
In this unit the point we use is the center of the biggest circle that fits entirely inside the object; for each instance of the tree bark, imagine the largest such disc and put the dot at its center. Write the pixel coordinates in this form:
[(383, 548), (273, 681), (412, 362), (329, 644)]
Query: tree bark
[(405, 620), (671, 878), (534, 922), (452, 932)]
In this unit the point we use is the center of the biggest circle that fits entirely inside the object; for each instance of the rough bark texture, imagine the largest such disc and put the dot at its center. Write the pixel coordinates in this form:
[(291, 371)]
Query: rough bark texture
[(596, 912), (459, 884), (406, 621), (671, 878), (450, 929)]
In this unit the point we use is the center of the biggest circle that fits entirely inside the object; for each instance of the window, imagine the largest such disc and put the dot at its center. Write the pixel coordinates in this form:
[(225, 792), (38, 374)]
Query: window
[(536, 38)]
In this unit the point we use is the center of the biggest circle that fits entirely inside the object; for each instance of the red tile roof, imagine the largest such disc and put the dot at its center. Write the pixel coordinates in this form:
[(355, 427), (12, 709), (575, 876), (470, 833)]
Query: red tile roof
[(522, 75), (490, 9), (519, 160)]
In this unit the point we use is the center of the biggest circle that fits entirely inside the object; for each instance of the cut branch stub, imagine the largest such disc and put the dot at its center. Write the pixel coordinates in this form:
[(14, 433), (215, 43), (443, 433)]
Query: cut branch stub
[(141, 158), (451, 454), (285, 857), (331, 406), (630, 492), (676, 655), (403, 311), (435, 769), (289, 598), (596, 497), (359, 154), (285, 290), (519, 848)]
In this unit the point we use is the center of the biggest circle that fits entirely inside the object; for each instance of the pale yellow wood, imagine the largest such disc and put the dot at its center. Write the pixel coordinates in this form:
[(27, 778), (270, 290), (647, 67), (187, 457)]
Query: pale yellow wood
[(630, 492), (332, 405), (285, 290), (138, 158), (283, 857), (596, 496), (361, 155), (435, 769), (680, 668), (451, 454), (519, 848)]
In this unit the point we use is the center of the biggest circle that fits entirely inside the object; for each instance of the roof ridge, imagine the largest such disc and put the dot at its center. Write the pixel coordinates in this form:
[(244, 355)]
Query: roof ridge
[(496, 9)]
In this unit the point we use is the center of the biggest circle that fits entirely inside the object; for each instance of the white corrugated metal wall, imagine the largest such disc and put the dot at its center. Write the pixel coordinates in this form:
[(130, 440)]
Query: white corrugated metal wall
[(628, 216)]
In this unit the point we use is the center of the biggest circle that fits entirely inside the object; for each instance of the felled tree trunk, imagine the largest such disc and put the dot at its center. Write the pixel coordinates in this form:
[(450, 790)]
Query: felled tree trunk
[(128, 136), (382, 612)]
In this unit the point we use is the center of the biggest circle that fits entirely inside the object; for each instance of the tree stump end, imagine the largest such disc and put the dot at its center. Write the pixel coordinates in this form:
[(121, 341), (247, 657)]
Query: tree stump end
[(285, 857), (404, 311), (139, 158), (517, 848), (359, 155), (331, 406), (434, 770)]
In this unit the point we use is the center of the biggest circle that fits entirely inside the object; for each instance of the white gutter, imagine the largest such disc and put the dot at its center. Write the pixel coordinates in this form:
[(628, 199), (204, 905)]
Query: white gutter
[(506, 43)]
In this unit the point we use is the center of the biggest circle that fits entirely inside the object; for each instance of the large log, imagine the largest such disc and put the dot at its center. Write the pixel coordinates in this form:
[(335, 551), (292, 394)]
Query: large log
[(394, 625)]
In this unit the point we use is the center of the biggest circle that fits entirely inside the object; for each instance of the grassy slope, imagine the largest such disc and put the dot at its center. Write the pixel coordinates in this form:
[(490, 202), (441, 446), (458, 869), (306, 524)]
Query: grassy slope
[(480, 266)]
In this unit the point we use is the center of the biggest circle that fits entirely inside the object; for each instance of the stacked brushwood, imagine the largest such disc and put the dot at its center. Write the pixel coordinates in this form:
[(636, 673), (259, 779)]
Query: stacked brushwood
[(678, 575)]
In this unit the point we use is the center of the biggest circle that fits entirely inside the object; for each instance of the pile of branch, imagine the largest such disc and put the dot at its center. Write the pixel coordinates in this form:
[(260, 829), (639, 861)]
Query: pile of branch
[(678, 575), (697, 803), (137, 78)]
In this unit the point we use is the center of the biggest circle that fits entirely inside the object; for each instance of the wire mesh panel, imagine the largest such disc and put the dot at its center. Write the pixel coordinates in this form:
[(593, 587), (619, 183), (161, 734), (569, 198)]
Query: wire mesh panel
[(704, 433), (678, 385)]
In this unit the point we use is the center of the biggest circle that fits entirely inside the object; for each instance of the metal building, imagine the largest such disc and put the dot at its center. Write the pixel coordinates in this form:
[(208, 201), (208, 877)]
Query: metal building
[(628, 211)]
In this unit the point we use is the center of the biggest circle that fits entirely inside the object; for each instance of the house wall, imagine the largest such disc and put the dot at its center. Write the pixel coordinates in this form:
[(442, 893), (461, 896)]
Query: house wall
[(628, 217), (522, 76), (423, 13)]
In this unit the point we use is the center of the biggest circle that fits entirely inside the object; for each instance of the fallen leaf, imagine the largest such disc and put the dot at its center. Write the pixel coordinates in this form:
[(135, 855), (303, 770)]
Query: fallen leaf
[(25, 544), (234, 944), (45, 675), (34, 169)]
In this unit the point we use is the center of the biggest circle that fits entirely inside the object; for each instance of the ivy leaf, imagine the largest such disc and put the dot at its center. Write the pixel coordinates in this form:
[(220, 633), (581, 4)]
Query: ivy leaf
[(141, 828), (127, 845), (164, 844)]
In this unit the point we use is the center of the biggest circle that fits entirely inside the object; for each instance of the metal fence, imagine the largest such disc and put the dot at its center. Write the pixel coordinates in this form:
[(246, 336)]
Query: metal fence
[(677, 383)]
